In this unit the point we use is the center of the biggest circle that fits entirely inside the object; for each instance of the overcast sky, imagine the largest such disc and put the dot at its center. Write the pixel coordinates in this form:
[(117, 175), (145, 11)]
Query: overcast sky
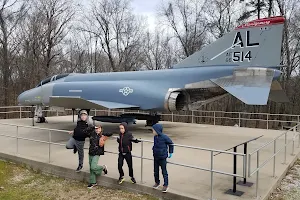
[(142, 7), (147, 8)]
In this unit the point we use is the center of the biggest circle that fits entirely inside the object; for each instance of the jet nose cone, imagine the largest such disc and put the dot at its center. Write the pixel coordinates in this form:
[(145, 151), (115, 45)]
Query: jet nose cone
[(21, 98)]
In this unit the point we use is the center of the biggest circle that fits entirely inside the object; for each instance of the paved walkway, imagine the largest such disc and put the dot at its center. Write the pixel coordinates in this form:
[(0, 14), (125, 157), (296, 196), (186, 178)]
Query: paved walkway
[(189, 182)]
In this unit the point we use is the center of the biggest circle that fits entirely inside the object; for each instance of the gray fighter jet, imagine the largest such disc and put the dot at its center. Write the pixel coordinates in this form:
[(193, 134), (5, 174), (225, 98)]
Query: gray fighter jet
[(243, 63)]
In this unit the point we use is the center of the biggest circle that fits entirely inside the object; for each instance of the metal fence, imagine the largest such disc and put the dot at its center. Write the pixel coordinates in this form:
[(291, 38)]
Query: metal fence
[(259, 165), (141, 156), (246, 161), (269, 121)]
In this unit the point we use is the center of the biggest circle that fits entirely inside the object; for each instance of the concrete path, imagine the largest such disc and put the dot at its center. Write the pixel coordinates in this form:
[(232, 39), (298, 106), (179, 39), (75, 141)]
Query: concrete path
[(193, 183)]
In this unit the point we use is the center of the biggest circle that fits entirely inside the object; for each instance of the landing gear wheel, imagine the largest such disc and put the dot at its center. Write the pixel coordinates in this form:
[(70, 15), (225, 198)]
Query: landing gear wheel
[(151, 122), (41, 120)]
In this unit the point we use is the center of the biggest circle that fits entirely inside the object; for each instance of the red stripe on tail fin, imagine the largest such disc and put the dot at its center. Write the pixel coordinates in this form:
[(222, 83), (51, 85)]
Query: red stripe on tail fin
[(262, 22)]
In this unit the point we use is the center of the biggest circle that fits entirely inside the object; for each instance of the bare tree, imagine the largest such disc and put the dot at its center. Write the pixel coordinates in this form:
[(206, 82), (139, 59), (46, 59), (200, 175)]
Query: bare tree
[(289, 9), (222, 16), (157, 51), (57, 16), (118, 30), (11, 14), (187, 19)]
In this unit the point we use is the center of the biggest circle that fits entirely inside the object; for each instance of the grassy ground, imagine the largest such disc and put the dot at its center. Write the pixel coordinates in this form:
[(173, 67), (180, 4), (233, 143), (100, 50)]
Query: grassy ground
[(289, 188), (18, 183)]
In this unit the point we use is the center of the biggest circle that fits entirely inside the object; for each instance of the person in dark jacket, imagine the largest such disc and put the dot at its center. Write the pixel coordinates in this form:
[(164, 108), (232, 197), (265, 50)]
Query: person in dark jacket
[(125, 140), (97, 141), (162, 144), (76, 142)]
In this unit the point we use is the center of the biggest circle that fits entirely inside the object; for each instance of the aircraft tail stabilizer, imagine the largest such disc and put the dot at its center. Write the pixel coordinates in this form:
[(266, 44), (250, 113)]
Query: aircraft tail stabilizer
[(250, 85), (256, 43)]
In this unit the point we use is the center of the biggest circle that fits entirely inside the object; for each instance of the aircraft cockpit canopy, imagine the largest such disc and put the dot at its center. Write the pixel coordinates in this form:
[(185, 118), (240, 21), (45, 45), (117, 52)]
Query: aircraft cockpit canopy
[(52, 78)]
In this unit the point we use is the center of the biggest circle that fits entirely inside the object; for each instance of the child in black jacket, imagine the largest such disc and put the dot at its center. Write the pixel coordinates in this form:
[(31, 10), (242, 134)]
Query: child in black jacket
[(125, 140), (76, 142), (97, 141)]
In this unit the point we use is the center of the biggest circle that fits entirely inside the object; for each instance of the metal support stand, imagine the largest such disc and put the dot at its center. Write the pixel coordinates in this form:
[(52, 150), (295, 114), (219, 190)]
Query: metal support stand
[(32, 114), (142, 161), (73, 113), (244, 182), (233, 191)]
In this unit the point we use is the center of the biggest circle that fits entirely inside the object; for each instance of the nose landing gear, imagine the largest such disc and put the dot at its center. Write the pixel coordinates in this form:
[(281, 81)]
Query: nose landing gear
[(39, 114)]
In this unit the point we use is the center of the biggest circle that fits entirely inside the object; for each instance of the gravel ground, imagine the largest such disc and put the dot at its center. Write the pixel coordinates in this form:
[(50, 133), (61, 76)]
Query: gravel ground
[(289, 188), (17, 183)]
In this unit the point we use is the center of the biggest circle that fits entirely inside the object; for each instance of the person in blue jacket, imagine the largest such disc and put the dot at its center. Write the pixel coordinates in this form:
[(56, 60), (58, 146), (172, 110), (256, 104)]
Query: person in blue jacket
[(162, 149)]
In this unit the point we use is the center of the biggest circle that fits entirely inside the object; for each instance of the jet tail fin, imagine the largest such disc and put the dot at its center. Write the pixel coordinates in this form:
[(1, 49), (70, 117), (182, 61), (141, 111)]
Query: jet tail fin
[(256, 43)]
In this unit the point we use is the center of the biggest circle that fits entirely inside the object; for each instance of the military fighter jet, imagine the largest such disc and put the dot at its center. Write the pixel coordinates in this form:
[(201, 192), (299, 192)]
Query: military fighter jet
[(243, 63)]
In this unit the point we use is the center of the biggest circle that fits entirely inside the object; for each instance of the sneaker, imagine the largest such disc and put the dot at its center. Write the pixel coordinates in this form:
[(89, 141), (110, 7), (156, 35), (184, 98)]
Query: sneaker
[(79, 168), (133, 181), (165, 189), (75, 149), (121, 180), (156, 185), (90, 186), (105, 169)]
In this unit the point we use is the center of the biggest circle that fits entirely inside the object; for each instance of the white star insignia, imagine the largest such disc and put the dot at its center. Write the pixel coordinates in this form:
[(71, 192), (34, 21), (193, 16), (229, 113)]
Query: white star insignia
[(126, 91)]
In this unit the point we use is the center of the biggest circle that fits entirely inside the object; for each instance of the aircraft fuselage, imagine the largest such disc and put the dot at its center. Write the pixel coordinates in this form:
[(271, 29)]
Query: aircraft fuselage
[(145, 89)]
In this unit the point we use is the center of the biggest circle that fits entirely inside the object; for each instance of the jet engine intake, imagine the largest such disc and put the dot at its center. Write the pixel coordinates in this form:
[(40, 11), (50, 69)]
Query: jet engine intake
[(175, 101)]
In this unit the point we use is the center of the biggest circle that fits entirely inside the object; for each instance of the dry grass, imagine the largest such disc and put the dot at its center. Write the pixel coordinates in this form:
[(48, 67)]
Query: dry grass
[(17, 183), (289, 188)]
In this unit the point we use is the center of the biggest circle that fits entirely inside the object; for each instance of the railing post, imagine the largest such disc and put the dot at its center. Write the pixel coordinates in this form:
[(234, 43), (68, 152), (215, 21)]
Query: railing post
[(257, 173), (299, 141), (267, 121), (211, 174), (234, 169), (20, 112), (49, 158), (285, 144), (239, 119), (214, 117), (95, 112), (192, 117), (245, 162), (249, 165), (172, 117), (274, 160), (294, 136), (142, 154), (17, 140)]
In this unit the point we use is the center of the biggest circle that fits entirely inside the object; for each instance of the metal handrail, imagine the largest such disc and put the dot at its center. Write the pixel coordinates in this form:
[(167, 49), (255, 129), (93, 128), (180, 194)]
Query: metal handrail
[(214, 115), (270, 142), (34, 127), (211, 169), (273, 156)]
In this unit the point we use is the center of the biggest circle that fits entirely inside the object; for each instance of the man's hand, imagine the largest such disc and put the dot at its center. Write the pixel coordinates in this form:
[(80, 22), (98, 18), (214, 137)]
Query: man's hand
[(170, 155), (71, 132)]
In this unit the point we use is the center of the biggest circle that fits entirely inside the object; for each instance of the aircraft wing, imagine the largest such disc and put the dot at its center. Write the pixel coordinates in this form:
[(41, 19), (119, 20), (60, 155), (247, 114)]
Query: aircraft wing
[(78, 102), (250, 85)]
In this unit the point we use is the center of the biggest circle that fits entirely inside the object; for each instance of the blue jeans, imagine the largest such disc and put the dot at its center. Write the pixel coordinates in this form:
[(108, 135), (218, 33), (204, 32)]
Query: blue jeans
[(163, 164)]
